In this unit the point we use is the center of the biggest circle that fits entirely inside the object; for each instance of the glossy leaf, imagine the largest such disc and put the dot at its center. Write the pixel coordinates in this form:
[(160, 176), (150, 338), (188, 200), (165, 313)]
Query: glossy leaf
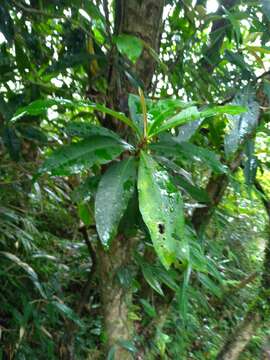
[(191, 114), (162, 209), (186, 115), (164, 109), (39, 107), (85, 130), (192, 152), (184, 180), (82, 155), (115, 189)]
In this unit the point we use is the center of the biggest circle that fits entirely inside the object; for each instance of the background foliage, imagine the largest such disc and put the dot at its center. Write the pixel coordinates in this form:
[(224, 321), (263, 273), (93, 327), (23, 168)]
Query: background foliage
[(62, 188)]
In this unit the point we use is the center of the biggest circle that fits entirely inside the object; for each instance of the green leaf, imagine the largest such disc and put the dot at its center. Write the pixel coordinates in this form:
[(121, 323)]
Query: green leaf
[(128, 345), (148, 308), (115, 189), (197, 193), (81, 155), (192, 152), (230, 109), (111, 354), (164, 109), (67, 312), (28, 269), (189, 114), (85, 130), (39, 107), (161, 207), (186, 115), (210, 285), (130, 46), (85, 214), (151, 277), (33, 133), (184, 180), (241, 126), (135, 111), (183, 294)]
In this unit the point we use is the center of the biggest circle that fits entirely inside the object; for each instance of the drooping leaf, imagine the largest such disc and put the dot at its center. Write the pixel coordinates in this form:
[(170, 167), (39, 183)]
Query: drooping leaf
[(85, 130), (210, 285), (33, 133), (190, 151), (115, 189), (241, 125), (130, 46), (28, 269), (162, 209), (195, 192), (81, 155), (150, 276), (39, 107), (184, 180), (67, 312)]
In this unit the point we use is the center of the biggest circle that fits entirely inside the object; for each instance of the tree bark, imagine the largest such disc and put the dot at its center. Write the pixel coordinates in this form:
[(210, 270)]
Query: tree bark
[(116, 300)]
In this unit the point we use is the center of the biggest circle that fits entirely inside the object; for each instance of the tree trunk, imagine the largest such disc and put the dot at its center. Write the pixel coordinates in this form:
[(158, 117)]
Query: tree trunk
[(116, 299), (144, 20)]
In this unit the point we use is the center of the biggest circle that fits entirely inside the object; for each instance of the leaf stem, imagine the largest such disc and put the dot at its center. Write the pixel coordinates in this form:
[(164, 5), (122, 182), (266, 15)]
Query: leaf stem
[(143, 103)]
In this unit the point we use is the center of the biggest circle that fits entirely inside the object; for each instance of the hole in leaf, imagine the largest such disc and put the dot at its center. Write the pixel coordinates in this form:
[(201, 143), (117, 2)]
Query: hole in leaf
[(161, 228)]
